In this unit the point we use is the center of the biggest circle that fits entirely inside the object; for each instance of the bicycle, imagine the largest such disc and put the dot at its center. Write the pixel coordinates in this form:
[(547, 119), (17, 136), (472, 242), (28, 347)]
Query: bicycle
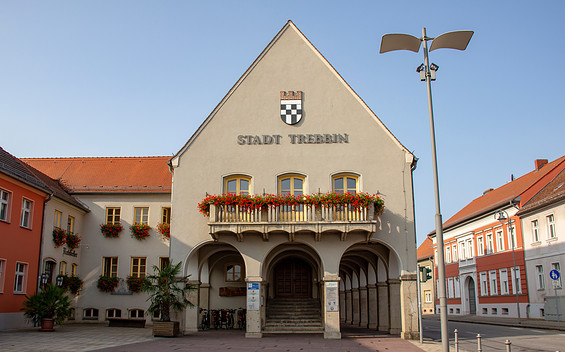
[(241, 318), (217, 319), (205, 323)]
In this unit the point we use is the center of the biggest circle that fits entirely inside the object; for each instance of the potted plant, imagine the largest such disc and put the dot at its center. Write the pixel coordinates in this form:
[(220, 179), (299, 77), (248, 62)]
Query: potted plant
[(135, 284), (49, 306), (111, 230), (164, 229), (139, 231), (59, 236), (73, 284), (167, 291), (107, 283), (73, 240)]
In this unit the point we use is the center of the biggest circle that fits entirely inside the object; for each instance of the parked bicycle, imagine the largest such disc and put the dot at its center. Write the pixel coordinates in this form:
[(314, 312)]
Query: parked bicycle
[(217, 318), (241, 318), (205, 322)]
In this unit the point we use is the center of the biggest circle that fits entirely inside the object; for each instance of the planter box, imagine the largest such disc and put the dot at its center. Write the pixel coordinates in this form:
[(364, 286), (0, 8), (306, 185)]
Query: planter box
[(166, 328)]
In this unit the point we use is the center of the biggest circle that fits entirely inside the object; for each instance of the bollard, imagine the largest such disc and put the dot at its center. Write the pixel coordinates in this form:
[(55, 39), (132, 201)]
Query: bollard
[(479, 344), (456, 341), (508, 346)]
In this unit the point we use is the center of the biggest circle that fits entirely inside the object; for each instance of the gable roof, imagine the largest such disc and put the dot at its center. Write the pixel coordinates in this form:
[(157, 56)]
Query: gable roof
[(109, 174), (426, 249), (552, 193), (502, 195), (289, 26)]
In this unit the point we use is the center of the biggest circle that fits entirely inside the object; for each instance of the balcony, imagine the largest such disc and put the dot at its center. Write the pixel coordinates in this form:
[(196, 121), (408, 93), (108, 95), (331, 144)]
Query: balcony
[(302, 219)]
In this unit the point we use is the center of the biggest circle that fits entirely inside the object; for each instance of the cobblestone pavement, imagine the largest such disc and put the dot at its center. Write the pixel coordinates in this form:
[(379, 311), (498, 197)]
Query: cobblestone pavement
[(99, 337)]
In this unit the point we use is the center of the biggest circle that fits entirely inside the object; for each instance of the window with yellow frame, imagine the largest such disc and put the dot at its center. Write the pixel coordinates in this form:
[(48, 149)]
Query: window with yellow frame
[(345, 183), (237, 185), (138, 266), (63, 268), (71, 224), (110, 266), (113, 215), (166, 215), (74, 269), (57, 219), (141, 215), (291, 185)]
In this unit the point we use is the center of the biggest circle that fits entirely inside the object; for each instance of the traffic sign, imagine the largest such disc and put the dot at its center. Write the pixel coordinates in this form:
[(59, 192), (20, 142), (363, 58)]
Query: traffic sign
[(554, 274)]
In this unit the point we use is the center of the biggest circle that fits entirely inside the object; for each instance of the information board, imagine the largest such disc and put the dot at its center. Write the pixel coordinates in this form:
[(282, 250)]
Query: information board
[(332, 296), (253, 295)]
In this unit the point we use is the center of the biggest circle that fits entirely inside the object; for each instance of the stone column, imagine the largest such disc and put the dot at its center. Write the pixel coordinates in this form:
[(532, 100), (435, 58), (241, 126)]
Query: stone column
[(342, 310), (382, 288), (373, 304), (395, 306), (363, 308), (348, 307), (204, 296), (191, 314), (330, 307), (355, 297), (409, 306), (254, 308)]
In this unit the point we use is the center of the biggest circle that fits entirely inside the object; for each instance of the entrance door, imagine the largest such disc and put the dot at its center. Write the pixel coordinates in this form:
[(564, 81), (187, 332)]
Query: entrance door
[(293, 279), (471, 293)]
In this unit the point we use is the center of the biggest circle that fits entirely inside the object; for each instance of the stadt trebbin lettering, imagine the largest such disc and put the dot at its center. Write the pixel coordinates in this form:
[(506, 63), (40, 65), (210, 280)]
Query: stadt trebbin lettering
[(317, 138)]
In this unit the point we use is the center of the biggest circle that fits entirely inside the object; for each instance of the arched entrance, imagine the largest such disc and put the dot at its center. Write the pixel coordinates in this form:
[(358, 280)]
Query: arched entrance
[(471, 295), (293, 279)]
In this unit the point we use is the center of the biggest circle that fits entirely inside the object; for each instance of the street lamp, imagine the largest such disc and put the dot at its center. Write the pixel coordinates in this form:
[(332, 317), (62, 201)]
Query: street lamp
[(502, 216), (452, 40)]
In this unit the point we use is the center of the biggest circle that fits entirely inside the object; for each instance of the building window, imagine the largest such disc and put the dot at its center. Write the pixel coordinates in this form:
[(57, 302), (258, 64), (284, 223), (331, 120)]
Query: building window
[(516, 280), (345, 184), (237, 185), (504, 311), (480, 246), (70, 224), (141, 215), (499, 241), (163, 262), (2, 274), (490, 244), (450, 288), (448, 254), (113, 313), (557, 266), (57, 220), (138, 266), (63, 268), (457, 287), (535, 231), (462, 251), (90, 314), (4, 204), (292, 185), (166, 215), (110, 266), (540, 283), (494, 311), (112, 215), (504, 288), (74, 269), (428, 296), (156, 315), (550, 227), (469, 249), (20, 278), (455, 258), (26, 213), (136, 314), (233, 272), (493, 282)]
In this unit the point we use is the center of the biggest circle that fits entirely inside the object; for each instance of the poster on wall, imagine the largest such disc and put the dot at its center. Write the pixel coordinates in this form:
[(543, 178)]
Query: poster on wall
[(332, 296), (253, 302)]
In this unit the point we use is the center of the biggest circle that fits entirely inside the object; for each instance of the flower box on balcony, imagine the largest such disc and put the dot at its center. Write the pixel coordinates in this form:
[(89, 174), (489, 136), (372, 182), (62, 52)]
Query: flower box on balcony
[(73, 240), (107, 283), (111, 230), (139, 231), (59, 236)]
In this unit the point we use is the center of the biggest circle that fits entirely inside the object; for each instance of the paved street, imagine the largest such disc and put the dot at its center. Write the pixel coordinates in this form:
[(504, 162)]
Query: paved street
[(494, 336)]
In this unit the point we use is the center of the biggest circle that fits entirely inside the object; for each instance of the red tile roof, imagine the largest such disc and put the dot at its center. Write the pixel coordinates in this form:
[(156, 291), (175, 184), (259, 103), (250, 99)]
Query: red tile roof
[(552, 193), (524, 187), (108, 175), (426, 249)]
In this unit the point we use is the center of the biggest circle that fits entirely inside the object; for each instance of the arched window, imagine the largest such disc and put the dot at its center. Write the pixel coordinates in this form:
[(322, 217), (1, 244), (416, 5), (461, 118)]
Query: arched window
[(74, 270), (291, 185), (345, 183), (63, 268), (237, 185)]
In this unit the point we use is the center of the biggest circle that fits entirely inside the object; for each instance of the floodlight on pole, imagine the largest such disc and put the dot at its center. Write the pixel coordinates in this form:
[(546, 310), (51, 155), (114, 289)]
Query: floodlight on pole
[(452, 40)]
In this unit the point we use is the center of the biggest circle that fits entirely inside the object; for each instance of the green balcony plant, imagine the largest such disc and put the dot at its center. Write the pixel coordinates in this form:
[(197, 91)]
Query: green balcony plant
[(47, 307)]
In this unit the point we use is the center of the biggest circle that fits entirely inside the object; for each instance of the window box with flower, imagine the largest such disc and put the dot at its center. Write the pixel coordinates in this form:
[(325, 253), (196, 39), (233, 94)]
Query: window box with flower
[(139, 231), (107, 283), (111, 230), (59, 236), (73, 240), (136, 284), (164, 229)]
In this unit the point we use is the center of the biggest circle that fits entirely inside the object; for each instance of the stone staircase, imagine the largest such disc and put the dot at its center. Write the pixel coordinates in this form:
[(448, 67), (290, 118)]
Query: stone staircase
[(293, 316)]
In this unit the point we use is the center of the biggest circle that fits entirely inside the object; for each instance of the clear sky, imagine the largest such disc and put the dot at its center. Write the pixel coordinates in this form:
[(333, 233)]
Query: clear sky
[(136, 78)]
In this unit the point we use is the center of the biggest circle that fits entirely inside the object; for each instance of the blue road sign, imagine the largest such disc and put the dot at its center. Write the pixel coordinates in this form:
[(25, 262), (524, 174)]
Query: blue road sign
[(554, 274)]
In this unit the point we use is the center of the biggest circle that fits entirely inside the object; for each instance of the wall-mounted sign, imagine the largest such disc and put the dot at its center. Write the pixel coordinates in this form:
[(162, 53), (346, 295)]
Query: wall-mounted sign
[(291, 107), (314, 138), (253, 294), (332, 296)]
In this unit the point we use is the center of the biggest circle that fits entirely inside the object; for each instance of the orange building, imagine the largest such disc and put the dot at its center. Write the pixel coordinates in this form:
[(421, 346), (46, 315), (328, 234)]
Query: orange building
[(484, 258), (22, 196)]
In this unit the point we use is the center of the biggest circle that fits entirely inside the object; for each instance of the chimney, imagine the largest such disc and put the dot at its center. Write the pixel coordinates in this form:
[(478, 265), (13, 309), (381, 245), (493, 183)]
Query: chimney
[(488, 191), (540, 163)]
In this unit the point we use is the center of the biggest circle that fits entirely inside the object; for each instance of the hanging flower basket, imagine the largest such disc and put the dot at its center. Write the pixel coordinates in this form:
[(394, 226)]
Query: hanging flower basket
[(59, 236), (73, 284), (136, 284), (107, 283), (111, 230), (164, 229), (139, 231), (73, 240)]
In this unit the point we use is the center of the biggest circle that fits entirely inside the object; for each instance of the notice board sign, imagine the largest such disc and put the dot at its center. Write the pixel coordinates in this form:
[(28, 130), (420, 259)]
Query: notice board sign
[(332, 296), (253, 296)]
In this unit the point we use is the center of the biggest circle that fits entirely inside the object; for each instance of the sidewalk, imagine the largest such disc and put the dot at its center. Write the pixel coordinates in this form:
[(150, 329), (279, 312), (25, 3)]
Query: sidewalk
[(100, 337), (524, 323)]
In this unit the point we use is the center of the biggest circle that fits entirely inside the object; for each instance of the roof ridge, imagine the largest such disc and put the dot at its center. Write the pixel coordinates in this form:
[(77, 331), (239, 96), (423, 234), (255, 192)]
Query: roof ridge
[(97, 157)]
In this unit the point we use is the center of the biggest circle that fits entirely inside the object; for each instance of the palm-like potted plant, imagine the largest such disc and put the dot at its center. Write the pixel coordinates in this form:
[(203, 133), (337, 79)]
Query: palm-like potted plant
[(167, 291), (49, 306)]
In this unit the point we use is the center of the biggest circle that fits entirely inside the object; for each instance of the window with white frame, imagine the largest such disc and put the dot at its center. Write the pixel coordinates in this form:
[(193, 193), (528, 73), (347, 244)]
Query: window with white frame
[(448, 254), (535, 231), (26, 213), (469, 249), (450, 293), (136, 314), (540, 282), (113, 313), (499, 241), (20, 278), (455, 258), (462, 250), (457, 287), (480, 246), (493, 283), (504, 288), (2, 274), (516, 280), (550, 226), (490, 244), (427, 296), (4, 204), (90, 314), (484, 284), (557, 266)]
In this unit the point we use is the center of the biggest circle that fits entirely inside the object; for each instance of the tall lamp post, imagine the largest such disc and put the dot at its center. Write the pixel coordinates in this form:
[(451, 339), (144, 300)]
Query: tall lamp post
[(452, 40), (502, 216)]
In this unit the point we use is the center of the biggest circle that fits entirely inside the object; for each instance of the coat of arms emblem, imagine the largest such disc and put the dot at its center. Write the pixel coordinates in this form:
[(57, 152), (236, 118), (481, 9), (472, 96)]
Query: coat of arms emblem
[(291, 107)]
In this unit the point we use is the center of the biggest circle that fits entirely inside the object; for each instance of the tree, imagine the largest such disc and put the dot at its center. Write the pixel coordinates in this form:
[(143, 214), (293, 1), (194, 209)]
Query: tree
[(168, 290)]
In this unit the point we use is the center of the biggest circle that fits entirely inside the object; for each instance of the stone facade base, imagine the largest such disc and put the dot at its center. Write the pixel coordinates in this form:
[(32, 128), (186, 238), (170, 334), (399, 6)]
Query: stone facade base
[(253, 335), (410, 335), (335, 335)]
